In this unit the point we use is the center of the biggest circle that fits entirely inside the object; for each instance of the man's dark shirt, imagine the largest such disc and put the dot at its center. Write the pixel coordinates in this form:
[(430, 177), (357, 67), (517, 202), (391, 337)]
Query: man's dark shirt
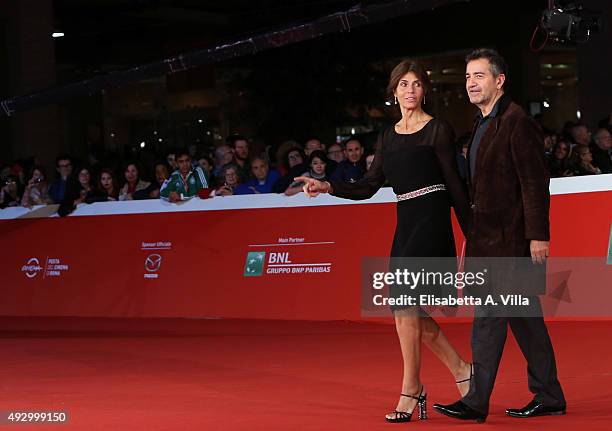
[(483, 123), (57, 190), (348, 172), (602, 158)]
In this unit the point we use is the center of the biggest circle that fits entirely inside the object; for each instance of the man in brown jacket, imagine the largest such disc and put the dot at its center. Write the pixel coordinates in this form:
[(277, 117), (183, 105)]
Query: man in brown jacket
[(509, 191)]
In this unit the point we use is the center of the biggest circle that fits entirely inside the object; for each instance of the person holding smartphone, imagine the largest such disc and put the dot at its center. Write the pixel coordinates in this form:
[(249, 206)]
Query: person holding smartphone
[(230, 180), (36, 191), (9, 193)]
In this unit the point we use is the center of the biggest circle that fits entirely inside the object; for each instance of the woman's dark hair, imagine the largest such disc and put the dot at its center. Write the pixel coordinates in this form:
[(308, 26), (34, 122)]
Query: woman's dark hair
[(115, 184), (291, 150), (402, 69), (558, 167), (136, 165), (317, 154), (80, 168), (36, 168), (558, 144)]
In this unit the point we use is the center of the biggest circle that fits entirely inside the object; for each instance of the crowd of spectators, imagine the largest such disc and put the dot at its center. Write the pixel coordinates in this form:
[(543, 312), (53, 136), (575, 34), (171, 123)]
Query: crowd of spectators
[(233, 169), (578, 151), (228, 169)]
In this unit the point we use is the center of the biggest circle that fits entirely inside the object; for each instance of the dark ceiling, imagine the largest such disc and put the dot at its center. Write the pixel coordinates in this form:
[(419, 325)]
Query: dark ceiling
[(102, 35)]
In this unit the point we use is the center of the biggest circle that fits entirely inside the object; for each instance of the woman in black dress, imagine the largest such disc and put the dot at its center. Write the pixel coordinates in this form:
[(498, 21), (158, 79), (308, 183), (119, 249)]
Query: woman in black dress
[(417, 158)]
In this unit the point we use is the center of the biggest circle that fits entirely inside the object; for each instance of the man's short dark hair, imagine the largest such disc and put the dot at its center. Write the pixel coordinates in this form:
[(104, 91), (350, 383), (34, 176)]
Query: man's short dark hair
[(351, 139), (498, 64), (162, 163), (182, 152), (62, 157), (261, 157), (232, 139)]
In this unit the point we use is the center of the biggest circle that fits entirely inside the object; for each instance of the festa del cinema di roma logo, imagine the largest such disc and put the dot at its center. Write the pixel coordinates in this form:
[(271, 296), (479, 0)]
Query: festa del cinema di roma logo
[(53, 267), (31, 268)]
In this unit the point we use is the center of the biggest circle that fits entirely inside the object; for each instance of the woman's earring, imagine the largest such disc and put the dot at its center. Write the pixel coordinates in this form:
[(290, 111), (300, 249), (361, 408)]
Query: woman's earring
[(396, 100), (423, 99)]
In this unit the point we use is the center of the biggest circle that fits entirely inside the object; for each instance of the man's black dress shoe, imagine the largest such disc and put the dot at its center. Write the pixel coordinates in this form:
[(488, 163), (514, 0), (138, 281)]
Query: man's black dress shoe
[(461, 411), (533, 409)]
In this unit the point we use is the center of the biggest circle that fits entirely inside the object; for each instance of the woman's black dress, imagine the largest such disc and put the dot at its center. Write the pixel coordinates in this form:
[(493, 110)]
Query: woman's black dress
[(410, 162)]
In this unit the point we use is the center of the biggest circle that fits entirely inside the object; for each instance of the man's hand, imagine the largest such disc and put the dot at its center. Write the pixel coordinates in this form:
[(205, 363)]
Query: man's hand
[(313, 187), (174, 197), (539, 250)]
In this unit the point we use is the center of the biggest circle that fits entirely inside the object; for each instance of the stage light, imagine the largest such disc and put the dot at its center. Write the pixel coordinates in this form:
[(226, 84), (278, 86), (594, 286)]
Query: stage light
[(160, 140), (578, 114), (142, 144), (388, 103), (57, 34), (352, 131), (200, 121), (546, 104)]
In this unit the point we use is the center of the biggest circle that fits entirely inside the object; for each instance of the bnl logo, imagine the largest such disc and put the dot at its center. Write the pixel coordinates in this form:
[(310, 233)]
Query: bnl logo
[(255, 260), (254, 263)]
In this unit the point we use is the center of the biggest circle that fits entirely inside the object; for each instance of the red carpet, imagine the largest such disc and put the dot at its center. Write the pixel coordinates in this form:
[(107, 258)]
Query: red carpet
[(162, 374)]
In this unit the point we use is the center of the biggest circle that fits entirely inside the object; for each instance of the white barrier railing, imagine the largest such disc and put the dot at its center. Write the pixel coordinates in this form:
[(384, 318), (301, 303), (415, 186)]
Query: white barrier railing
[(558, 186)]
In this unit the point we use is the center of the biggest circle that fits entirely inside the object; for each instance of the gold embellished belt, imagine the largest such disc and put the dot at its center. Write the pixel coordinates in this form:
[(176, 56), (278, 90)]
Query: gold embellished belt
[(421, 192)]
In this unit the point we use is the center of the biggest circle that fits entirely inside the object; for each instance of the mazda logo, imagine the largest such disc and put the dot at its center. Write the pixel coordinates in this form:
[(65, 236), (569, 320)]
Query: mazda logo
[(153, 262)]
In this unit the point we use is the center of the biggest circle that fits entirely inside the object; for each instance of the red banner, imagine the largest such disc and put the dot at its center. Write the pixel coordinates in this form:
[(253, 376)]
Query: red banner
[(291, 262)]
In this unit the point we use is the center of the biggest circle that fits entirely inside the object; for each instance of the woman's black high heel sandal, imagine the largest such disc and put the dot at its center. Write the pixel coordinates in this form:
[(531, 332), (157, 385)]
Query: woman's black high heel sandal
[(406, 416)]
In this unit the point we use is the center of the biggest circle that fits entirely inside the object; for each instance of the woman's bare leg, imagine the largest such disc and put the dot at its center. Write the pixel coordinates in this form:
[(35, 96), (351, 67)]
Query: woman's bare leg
[(408, 326), (437, 342)]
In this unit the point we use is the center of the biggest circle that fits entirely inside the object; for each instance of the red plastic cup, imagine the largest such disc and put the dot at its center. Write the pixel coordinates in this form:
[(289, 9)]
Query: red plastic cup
[(204, 193)]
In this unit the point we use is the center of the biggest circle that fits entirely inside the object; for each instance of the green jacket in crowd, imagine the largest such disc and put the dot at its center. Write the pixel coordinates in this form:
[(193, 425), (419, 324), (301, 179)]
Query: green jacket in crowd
[(196, 180)]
